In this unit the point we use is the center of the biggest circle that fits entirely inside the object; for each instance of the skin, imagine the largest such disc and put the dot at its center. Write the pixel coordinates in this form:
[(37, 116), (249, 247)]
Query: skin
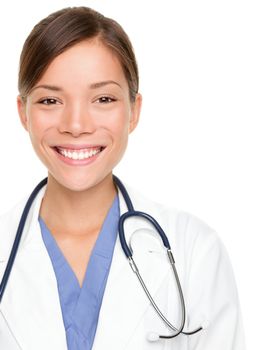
[(77, 198)]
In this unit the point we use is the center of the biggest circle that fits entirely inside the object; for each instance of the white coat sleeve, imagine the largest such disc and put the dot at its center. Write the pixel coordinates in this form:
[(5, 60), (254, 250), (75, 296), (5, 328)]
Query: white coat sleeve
[(212, 297)]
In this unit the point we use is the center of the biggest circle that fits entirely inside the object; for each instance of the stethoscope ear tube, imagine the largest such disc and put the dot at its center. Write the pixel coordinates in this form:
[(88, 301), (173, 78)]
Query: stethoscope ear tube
[(18, 236)]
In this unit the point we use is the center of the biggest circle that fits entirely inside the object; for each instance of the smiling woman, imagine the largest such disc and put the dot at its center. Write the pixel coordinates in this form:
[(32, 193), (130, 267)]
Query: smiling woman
[(71, 286), (87, 124)]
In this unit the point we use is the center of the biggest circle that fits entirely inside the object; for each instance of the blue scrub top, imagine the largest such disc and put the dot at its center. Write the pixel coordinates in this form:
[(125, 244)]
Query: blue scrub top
[(81, 305)]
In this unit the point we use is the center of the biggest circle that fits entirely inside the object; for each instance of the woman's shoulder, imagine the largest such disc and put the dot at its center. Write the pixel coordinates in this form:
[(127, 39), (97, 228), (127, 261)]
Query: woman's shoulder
[(9, 221), (172, 214), (14, 209), (177, 222), (11, 217)]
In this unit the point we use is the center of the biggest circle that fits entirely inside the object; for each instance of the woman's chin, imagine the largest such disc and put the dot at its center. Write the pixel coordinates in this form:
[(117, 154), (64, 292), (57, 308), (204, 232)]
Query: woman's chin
[(78, 182)]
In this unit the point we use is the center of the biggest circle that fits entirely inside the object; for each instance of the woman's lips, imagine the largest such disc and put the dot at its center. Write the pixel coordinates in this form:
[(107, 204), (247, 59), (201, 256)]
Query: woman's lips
[(77, 154), (71, 146)]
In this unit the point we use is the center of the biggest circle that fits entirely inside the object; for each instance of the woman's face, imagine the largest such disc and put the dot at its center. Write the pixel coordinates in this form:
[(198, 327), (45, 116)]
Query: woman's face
[(79, 115)]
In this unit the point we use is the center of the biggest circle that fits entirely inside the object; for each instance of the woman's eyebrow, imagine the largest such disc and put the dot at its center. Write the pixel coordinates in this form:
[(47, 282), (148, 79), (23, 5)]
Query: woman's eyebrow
[(48, 87), (103, 83), (96, 85)]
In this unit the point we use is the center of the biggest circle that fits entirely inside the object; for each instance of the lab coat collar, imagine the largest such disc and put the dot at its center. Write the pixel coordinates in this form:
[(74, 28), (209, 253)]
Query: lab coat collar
[(124, 301)]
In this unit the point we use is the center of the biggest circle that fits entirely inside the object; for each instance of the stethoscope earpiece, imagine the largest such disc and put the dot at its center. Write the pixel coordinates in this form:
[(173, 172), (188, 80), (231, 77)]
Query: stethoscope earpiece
[(205, 324), (152, 337)]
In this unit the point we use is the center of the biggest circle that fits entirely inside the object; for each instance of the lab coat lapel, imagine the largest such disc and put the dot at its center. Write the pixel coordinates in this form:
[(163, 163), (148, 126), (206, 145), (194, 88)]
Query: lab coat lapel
[(30, 290), (125, 302)]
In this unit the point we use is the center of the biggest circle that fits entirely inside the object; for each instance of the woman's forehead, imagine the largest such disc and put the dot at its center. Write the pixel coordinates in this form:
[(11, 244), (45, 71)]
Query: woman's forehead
[(89, 61)]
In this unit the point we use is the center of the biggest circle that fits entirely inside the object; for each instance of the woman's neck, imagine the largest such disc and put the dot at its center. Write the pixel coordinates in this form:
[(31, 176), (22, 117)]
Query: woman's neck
[(76, 213)]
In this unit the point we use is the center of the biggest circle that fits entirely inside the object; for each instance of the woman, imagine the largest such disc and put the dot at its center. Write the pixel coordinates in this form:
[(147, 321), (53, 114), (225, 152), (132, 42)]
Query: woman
[(71, 285)]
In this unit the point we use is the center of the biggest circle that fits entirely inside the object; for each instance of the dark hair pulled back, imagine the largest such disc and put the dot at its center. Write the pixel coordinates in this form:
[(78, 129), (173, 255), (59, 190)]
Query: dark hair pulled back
[(60, 31)]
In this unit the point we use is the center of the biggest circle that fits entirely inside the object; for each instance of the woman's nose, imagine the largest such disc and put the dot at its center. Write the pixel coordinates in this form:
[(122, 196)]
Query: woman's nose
[(76, 119)]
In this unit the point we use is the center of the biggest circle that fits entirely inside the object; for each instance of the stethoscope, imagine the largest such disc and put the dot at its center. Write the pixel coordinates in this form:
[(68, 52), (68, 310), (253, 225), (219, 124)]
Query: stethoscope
[(127, 251)]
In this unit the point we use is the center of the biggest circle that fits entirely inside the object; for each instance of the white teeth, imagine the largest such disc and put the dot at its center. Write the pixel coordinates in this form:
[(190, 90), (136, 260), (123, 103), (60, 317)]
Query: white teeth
[(79, 154)]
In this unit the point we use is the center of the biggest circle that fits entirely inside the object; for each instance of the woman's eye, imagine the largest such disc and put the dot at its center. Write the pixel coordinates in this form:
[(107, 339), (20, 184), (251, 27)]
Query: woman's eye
[(106, 99), (48, 101)]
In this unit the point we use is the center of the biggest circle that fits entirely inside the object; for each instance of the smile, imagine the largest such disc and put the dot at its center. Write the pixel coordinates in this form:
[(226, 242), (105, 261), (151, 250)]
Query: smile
[(79, 154)]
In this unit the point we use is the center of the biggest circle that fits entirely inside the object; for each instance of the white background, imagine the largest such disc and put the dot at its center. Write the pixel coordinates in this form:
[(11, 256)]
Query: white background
[(199, 144)]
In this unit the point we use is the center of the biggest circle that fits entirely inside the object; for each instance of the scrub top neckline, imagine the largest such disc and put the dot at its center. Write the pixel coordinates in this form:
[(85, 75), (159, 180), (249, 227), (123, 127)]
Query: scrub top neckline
[(98, 247), (81, 304)]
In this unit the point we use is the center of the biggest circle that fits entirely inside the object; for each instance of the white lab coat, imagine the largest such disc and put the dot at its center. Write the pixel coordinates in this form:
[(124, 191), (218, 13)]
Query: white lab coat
[(30, 313)]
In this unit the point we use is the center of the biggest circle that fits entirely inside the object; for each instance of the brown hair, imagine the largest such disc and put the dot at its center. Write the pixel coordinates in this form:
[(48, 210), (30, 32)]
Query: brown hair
[(64, 28)]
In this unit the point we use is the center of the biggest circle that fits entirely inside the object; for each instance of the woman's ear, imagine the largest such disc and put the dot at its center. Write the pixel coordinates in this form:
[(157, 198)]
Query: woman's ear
[(135, 112), (21, 107)]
